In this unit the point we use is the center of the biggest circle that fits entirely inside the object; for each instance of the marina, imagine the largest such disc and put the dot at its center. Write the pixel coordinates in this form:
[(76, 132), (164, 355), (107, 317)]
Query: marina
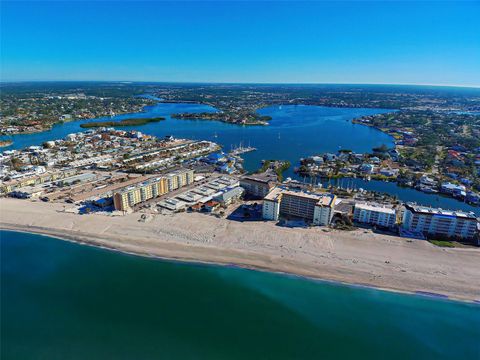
[(241, 149)]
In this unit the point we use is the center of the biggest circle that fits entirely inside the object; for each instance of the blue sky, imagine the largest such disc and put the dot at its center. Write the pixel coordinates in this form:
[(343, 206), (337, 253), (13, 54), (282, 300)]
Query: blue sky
[(297, 42)]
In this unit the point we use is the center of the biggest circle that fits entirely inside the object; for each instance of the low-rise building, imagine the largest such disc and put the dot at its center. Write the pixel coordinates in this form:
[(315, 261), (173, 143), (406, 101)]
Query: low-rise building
[(72, 180), (21, 181), (449, 188), (229, 195), (375, 214), (190, 197), (204, 191), (438, 222), (367, 168), (428, 181), (211, 205), (216, 185), (28, 192), (229, 181), (172, 204)]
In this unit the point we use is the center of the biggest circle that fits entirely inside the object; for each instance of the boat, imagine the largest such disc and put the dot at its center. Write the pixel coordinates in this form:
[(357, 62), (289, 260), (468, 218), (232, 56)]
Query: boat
[(426, 189)]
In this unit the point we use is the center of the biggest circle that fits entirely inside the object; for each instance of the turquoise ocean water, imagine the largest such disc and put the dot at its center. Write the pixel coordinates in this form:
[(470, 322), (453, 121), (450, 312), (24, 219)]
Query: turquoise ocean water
[(62, 300)]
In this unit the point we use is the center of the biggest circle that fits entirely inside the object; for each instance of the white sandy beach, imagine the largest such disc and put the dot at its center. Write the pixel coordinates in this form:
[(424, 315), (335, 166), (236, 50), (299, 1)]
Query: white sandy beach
[(359, 257)]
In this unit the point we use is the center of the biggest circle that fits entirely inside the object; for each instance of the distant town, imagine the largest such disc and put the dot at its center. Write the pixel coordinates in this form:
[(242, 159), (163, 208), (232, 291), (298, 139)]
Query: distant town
[(33, 110)]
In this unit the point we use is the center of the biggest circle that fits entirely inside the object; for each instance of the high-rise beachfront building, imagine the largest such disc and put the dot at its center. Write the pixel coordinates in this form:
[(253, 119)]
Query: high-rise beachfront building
[(313, 207), (257, 186), (125, 199), (179, 178), (128, 197), (438, 222)]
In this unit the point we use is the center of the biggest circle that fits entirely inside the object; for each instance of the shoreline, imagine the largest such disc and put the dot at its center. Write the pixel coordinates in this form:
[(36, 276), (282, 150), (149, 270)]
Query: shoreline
[(79, 120), (158, 100), (359, 258), (181, 260)]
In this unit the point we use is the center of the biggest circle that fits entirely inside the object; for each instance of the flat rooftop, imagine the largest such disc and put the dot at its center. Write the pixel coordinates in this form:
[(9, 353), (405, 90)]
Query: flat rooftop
[(273, 195), (375, 207), (321, 199), (439, 211), (263, 178)]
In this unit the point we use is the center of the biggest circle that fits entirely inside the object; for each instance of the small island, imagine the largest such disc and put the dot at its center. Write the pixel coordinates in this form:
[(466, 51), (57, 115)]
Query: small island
[(274, 168), (126, 122), (5, 143), (239, 118)]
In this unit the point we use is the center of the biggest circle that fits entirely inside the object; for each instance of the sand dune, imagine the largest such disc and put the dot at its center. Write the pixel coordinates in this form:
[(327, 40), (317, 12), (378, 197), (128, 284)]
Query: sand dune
[(359, 257)]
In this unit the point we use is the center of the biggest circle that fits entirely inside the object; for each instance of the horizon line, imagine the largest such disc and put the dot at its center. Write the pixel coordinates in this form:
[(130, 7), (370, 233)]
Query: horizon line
[(469, 86)]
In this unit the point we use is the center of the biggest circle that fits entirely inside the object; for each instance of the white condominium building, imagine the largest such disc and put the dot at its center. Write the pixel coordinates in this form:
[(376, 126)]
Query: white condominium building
[(317, 208), (439, 222), (375, 214)]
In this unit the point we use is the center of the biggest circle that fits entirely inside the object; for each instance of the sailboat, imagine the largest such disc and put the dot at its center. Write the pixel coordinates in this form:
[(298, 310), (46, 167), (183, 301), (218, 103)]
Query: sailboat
[(215, 135)]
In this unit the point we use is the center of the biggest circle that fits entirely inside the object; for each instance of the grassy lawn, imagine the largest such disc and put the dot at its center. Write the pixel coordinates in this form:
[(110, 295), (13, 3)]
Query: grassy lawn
[(442, 243)]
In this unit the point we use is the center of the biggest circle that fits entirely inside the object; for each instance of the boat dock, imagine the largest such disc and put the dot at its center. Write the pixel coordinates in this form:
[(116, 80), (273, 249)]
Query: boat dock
[(241, 150)]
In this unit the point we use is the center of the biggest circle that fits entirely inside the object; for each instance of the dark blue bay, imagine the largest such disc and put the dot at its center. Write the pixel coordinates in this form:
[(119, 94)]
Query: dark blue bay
[(295, 131)]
